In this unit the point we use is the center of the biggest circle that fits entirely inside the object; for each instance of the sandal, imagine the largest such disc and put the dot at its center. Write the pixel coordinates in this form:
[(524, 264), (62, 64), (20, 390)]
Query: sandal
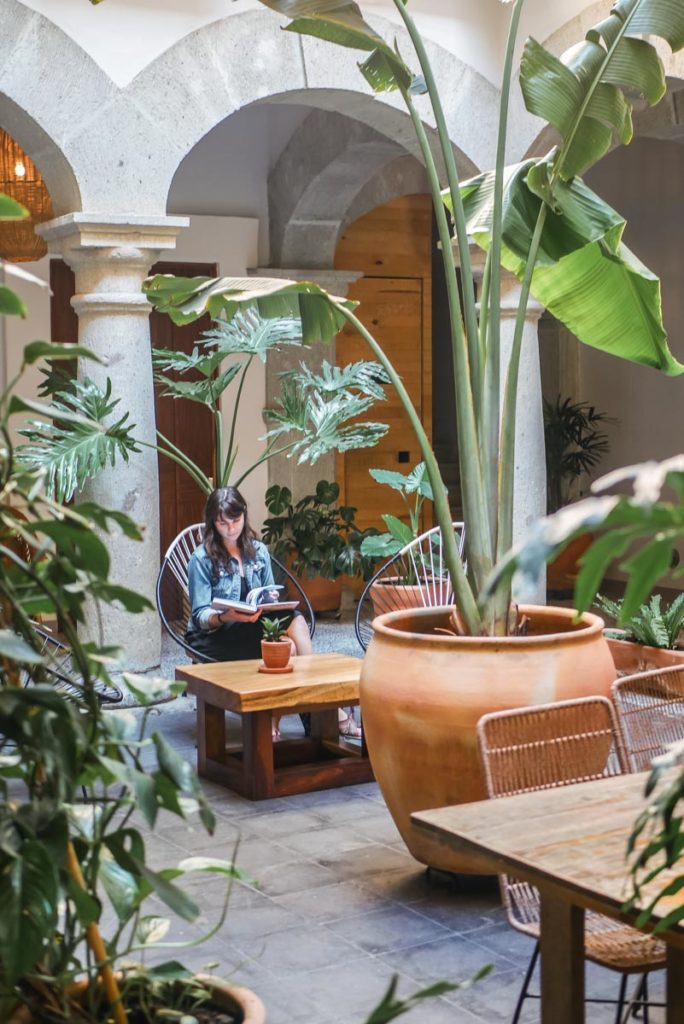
[(350, 728)]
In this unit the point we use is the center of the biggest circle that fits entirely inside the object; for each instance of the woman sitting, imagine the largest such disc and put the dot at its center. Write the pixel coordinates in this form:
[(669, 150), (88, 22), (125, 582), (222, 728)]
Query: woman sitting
[(228, 564)]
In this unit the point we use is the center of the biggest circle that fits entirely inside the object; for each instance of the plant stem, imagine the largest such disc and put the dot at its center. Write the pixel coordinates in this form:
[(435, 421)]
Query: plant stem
[(464, 596), (96, 944), (268, 454), (468, 284), (475, 506), (176, 455), (229, 454)]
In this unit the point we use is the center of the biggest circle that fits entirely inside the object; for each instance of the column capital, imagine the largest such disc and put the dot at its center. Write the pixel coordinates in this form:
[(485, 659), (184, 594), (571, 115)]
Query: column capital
[(94, 232), (337, 282)]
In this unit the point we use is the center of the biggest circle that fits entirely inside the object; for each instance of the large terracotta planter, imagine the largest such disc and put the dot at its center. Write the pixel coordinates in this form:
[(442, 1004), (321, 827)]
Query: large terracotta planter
[(390, 595), (422, 694), (630, 658), (246, 1007), (324, 595)]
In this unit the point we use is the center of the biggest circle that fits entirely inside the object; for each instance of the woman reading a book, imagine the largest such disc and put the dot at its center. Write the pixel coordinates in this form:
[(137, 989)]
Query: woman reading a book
[(229, 564)]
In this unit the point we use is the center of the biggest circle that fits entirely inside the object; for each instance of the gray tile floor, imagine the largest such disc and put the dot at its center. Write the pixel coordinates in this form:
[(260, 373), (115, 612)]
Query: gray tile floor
[(335, 906)]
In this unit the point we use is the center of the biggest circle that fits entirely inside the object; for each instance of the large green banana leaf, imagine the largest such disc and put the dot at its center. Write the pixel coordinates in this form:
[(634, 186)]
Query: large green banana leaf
[(187, 298), (584, 275)]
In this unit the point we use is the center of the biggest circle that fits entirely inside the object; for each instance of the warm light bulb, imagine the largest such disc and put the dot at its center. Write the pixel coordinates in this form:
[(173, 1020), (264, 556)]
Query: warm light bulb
[(20, 169)]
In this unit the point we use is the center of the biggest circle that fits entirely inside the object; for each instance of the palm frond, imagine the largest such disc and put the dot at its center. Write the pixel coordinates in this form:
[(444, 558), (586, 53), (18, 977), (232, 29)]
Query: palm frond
[(251, 334)]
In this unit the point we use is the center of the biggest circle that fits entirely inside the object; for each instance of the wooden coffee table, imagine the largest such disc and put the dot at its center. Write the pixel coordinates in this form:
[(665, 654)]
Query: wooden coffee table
[(260, 769)]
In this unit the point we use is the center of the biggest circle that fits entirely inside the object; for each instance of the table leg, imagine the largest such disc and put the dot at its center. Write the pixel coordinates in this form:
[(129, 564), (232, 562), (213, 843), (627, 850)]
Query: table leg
[(562, 961), (211, 735), (325, 725), (674, 1013), (257, 753)]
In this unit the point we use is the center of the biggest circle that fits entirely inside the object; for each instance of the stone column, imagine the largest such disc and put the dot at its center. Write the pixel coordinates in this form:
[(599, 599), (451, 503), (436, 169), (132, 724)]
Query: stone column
[(287, 472), (110, 258)]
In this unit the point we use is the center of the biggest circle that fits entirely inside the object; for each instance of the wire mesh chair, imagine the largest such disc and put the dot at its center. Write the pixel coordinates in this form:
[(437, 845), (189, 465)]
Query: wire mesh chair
[(416, 577), (173, 601), (650, 713), (556, 745), (60, 672)]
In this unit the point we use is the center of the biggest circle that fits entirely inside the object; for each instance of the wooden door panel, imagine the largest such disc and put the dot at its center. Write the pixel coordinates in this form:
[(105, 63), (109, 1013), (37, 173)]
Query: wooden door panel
[(393, 310)]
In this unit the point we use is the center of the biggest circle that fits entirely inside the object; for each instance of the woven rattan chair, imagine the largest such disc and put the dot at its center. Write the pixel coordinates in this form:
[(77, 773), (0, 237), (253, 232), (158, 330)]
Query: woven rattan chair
[(415, 578), (58, 670), (173, 602), (556, 745), (650, 713)]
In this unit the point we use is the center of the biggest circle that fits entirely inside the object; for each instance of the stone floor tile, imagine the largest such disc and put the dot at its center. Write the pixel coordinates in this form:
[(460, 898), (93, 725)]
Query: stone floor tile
[(320, 843), (459, 914), (504, 939), (394, 927), (259, 920), (303, 947), (285, 823), (352, 991), (452, 958), (292, 877), (367, 860)]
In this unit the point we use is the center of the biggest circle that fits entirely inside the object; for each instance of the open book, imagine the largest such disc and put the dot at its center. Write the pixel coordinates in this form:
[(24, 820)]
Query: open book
[(258, 597)]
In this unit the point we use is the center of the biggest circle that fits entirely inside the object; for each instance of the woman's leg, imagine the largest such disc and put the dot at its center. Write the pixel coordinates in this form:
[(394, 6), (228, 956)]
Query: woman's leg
[(299, 635)]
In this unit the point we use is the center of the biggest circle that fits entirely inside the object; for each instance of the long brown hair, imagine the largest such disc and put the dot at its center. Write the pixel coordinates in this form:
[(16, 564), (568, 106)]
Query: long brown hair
[(228, 502)]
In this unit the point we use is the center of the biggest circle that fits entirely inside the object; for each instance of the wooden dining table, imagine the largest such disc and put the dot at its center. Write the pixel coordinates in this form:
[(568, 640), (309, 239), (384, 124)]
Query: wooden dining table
[(571, 843)]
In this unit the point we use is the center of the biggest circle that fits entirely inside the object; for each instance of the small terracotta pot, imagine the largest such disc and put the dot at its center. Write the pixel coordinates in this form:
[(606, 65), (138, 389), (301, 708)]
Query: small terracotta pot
[(630, 657), (276, 653)]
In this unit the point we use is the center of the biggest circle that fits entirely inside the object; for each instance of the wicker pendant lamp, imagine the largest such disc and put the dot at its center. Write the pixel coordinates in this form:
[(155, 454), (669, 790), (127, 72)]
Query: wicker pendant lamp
[(21, 179)]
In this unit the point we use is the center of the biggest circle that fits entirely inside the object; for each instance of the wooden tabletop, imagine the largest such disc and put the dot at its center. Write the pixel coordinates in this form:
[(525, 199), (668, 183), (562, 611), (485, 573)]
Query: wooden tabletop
[(571, 839), (237, 685)]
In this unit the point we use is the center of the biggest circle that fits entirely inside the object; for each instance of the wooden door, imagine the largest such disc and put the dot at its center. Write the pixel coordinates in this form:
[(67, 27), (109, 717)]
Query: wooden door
[(188, 425), (392, 246)]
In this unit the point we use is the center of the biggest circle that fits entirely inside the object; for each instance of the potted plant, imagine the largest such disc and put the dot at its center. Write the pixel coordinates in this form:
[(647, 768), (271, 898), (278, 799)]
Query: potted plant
[(317, 538), (648, 638), (423, 691), (414, 488), (575, 442), (276, 648)]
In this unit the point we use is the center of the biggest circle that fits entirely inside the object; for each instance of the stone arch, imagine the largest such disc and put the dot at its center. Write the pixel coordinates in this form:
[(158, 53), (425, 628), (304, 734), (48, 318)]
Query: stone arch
[(204, 81)]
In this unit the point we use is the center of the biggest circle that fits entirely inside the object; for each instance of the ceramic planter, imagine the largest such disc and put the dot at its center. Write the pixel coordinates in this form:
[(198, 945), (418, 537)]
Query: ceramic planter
[(630, 657), (391, 595), (243, 1004), (422, 694), (276, 653), (324, 595)]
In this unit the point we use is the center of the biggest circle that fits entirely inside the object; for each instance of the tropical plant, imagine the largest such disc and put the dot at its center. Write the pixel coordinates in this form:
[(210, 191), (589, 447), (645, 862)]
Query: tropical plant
[(314, 414), (319, 536), (538, 219), (273, 629), (414, 488), (652, 624), (575, 444)]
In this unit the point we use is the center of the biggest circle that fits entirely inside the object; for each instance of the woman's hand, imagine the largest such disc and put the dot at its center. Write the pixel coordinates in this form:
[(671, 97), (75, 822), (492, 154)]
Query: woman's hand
[(233, 615)]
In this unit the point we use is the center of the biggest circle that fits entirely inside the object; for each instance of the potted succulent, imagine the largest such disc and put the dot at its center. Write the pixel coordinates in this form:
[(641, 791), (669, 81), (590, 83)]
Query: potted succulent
[(575, 442), (317, 538), (414, 488), (423, 691), (276, 648), (649, 638)]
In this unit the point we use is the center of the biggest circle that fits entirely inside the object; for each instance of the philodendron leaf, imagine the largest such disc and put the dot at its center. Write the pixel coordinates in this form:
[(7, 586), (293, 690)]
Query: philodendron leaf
[(10, 209), (10, 303), (36, 350), (187, 299), (16, 648)]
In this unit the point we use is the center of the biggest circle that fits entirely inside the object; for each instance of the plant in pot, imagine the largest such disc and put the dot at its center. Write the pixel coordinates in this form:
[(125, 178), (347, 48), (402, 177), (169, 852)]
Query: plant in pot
[(423, 691), (415, 489), (276, 648), (575, 443), (649, 638), (317, 538)]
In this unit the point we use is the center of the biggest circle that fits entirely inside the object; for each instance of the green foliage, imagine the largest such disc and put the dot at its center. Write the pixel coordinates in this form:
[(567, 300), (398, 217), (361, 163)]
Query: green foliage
[(656, 844), (319, 537), (413, 485), (273, 629), (574, 445), (651, 625), (537, 219), (642, 528)]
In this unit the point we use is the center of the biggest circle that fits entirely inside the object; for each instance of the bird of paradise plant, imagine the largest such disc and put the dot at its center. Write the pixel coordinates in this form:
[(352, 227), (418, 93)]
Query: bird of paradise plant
[(537, 219)]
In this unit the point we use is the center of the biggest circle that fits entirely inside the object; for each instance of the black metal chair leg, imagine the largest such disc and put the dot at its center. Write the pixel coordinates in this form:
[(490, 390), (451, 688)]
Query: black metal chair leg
[(621, 998), (644, 996), (526, 984)]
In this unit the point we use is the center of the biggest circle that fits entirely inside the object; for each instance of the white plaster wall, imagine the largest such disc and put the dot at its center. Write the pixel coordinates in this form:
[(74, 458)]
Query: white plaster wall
[(232, 242)]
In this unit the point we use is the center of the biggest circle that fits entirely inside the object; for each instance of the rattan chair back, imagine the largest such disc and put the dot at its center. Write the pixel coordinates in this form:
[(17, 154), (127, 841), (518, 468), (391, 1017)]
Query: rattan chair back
[(650, 713), (416, 577), (58, 670), (173, 602)]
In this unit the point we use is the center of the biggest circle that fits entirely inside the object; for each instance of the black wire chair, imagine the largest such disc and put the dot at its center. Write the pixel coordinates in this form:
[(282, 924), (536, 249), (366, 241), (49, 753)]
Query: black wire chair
[(58, 670), (173, 602), (416, 577)]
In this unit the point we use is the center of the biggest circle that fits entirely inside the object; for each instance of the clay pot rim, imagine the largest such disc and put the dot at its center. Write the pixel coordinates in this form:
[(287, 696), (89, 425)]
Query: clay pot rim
[(382, 625)]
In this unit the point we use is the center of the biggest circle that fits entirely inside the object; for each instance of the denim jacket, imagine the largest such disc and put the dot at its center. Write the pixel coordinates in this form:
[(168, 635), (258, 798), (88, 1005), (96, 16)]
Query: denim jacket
[(204, 585)]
